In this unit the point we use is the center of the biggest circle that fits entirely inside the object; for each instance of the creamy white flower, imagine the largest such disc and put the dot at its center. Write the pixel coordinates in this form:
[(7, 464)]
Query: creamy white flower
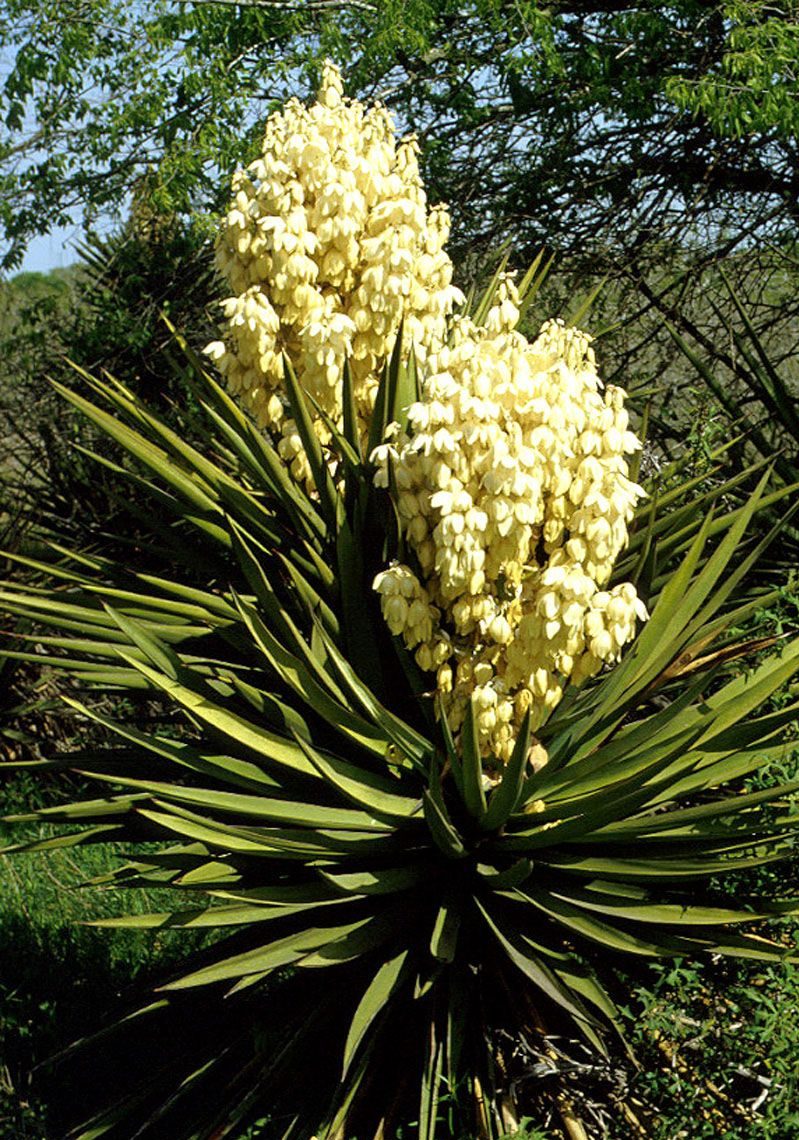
[(517, 509), (513, 491), (330, 224)]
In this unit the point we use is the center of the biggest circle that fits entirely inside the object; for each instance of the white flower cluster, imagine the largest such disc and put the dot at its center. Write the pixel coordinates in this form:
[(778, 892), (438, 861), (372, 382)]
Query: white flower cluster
[(328, 243), (513, 487), (514, 496)]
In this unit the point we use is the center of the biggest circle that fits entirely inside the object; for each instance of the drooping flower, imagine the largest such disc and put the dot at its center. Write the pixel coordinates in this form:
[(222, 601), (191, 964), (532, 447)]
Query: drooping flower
[(327, 245), (515, 498), (511, 478)]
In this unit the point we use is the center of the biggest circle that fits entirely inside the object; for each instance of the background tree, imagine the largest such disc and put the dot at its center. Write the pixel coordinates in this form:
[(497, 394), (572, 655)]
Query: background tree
[(598, 127), (644, 143)]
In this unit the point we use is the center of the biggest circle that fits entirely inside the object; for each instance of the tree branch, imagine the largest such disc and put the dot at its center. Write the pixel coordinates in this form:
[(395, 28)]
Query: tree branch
[(288, 5)]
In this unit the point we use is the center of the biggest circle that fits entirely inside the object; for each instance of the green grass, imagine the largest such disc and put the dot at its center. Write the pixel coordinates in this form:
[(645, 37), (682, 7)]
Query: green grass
[(58, 977)]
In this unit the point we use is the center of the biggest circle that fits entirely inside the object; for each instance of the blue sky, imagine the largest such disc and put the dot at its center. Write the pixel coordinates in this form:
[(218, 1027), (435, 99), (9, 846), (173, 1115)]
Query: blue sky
[(53, 251)]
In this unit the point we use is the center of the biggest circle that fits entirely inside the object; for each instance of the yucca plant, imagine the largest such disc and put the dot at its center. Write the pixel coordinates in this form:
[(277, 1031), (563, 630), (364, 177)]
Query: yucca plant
[(760, 407), (406, 903)]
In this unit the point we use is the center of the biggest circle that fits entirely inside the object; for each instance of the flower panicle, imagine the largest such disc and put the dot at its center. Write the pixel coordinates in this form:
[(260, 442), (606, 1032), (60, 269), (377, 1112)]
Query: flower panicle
[(512, 482), (515, 498), (327, 245)]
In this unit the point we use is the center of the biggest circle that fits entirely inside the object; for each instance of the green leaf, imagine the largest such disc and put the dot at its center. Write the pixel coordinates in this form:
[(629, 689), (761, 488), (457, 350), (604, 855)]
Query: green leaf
[(81, 809), (212, 834), (268, 469), (312, 684), (449, 744), (99, 834), (357, 940), (404, 390), (505, 797), (683, 820), (268, 745), (363, 788), (211, 917), (329, 499), (481, 309), (227, 768), (521, 953), (253, 558), (442, 830), (664, 634), (360, 639), (583, 982), (195, 491), (410, 743), (388, 394), (292, 843), (608, 934), (652, 912), (641, 869), (301, 814), (431, 1081), (472, 765), (728, 401), (513, 876), (444, 939), (266, 958), (350, 414), (155, 651), (280, 894), (376, 998), (314, 602), (382, 881)]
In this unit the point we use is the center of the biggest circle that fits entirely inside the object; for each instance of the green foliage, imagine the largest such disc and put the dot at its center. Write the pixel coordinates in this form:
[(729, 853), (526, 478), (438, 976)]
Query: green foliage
[(154, 267), (163, 87), (57, 977), (775, 424), (603, 121), (33, 309), (315, 814), (751, 88), (717, 1047), (105, 313)]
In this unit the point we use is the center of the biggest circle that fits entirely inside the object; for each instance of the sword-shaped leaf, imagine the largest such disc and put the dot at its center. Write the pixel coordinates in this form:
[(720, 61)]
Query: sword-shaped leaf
[(376, 997), (266, 958), (260, 807), (472, 765), (362, 787), (312, 684), (330, 502), (505, 797), (252, 737), (524, 957)]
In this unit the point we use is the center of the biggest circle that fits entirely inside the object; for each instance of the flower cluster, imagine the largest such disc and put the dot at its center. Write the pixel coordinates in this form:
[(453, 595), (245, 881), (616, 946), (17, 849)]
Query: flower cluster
[(514, 496), (512, 483), (327, 245)]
